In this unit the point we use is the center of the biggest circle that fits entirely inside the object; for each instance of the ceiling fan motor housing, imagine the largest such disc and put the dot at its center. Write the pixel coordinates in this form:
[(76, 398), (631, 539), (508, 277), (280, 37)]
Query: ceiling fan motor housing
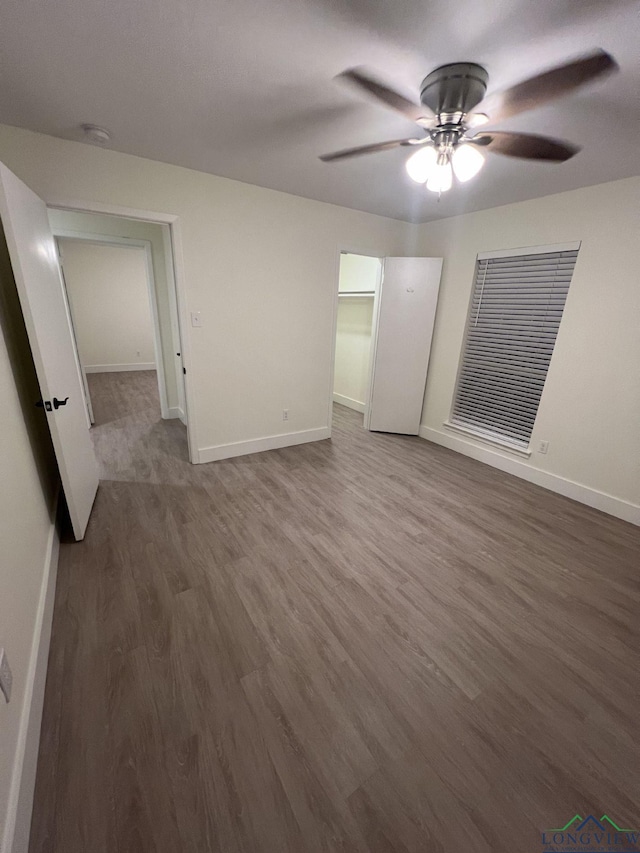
[(455, 89)]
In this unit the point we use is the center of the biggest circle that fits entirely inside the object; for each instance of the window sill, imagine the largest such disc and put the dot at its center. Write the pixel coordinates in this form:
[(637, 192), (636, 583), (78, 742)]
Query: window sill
[(495, 442)]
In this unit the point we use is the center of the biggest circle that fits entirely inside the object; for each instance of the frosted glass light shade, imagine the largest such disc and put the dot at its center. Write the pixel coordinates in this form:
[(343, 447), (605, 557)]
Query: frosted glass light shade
[(420, 165), (467, 162), (440, 178)]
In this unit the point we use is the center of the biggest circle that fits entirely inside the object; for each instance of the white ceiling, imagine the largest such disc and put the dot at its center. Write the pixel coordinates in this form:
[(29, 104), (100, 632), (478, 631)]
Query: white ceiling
[(244, 88)]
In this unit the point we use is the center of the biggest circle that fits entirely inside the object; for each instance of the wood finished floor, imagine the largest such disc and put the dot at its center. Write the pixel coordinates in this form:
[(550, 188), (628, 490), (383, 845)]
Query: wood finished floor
[(363, 644)]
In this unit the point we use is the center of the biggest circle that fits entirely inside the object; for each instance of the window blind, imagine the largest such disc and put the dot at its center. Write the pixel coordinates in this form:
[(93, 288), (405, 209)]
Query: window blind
[(515, 313)]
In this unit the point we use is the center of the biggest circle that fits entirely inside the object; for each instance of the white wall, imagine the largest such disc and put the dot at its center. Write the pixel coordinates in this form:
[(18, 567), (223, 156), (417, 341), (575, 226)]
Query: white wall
[(590, 408), (109, 295), (28, 559), (261, 267), (358, 272), (353, 331), (65, 221)]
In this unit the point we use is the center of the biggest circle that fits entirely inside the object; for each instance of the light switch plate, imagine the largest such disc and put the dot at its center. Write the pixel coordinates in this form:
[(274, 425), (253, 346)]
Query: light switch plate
[(196, 319), (6, 678)]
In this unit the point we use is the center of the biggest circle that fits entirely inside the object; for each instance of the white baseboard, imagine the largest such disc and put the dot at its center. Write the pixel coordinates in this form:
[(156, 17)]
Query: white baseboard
[(348, 402), (257, 445), (16, 832), (119, 368), (570, 489), (175, 412)]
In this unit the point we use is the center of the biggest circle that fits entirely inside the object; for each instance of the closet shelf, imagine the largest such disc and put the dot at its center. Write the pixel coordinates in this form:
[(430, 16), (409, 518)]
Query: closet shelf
[(353, 293)]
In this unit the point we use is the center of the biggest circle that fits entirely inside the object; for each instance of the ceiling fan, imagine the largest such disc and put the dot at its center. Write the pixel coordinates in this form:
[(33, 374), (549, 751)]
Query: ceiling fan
[(453, 103)]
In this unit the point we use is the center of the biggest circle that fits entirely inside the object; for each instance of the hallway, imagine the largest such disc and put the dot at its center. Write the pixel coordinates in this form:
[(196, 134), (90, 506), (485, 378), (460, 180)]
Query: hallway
[(132, 441)]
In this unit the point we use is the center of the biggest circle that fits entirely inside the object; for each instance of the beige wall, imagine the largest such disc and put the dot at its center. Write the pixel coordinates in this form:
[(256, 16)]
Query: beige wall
[(109, 295), (28, 477), (65, 221), (590, 408), (260, 266)]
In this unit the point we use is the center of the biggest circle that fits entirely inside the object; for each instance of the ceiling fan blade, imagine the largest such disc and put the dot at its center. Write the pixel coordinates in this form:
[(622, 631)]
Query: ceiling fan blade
[(546, 87), (370, 149), (526, 146), (390, 98)]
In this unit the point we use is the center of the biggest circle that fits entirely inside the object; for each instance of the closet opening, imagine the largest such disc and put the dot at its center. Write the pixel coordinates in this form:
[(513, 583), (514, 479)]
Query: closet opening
[(358, 292)]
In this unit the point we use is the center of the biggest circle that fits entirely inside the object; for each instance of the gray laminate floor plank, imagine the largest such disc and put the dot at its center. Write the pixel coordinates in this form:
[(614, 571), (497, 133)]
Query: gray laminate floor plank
[(369, 644)]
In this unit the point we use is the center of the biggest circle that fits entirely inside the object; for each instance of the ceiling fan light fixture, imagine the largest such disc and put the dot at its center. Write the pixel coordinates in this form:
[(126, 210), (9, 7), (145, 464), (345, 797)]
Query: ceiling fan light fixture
[(421, 163), (452, 101), (476, 119), (441, 177), (467, 162)]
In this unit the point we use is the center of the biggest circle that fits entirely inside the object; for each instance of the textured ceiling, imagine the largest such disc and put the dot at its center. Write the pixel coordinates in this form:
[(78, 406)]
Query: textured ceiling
[(244, 89)]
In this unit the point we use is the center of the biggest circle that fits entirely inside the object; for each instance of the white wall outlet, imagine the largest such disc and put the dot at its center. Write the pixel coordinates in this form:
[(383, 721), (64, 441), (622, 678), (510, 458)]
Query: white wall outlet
[(543, 446), (196, 319), (6, 679), (138, 353), (285, 414)]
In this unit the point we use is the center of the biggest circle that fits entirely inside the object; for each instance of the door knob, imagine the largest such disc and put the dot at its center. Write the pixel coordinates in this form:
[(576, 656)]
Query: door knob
[(57, 403)]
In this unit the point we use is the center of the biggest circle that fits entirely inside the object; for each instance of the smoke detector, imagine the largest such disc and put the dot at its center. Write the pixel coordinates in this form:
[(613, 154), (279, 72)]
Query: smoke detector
[(98, 135)]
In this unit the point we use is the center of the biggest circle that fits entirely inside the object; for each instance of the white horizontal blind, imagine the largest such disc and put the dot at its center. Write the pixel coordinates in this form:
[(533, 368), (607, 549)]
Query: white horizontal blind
[(515, 313)]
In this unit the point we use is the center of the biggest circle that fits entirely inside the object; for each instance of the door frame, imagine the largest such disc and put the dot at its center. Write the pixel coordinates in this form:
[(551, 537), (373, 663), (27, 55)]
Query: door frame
[(129, 243), (72, 323), (343, 250), (176, 273)]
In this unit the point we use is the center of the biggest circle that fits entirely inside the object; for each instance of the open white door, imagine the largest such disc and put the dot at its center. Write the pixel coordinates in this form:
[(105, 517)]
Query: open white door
[(39, 284), (406, 314)]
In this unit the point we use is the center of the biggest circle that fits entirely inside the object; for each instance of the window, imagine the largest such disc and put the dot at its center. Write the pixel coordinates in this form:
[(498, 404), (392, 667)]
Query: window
[(516, 307)]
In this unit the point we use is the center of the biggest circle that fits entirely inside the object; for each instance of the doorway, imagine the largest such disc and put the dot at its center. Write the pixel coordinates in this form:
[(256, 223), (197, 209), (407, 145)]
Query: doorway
[(118, 276), (358, 289), (385, 315), (110, 291)]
